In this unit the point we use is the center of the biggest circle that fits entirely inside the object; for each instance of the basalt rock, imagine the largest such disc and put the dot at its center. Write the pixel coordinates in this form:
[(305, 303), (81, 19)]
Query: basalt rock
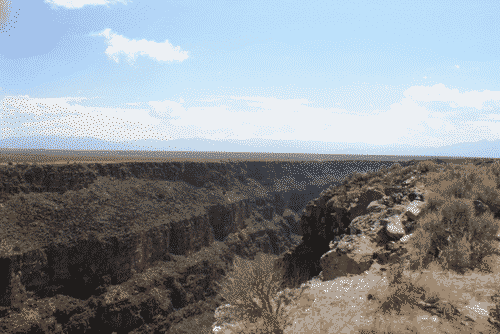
[(375, 239), (375, 225), (87, 232)]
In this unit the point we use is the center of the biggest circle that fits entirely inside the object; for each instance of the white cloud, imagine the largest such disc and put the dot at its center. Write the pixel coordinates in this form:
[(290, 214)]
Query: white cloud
[(57, 117), (406, 121), (168, 108), (244, 117), (493, 117), (485, 127), (118, 44), (294, 119), (73, 4), (440, 93)]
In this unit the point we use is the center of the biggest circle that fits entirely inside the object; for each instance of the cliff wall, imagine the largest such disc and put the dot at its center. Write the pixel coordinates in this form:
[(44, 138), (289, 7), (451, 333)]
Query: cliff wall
[(70, 229)]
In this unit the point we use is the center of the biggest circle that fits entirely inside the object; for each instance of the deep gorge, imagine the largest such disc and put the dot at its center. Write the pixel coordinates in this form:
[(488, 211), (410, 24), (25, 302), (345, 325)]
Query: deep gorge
[(143, 217)]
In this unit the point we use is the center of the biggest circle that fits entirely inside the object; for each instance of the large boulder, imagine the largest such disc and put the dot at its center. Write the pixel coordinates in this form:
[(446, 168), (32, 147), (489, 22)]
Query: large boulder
[(386, 213), (353, 255)]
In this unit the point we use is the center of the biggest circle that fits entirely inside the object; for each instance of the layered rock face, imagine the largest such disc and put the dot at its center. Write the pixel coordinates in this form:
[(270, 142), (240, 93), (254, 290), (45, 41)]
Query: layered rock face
[(63, 251), (76, 235)]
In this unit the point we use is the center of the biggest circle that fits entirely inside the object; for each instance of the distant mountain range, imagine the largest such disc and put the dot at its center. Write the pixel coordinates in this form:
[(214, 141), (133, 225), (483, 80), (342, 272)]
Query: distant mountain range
[(53, 142), (481, 149)]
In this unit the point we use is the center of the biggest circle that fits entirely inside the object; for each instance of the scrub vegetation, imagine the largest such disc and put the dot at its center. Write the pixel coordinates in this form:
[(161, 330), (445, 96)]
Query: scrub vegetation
[(453, 258)]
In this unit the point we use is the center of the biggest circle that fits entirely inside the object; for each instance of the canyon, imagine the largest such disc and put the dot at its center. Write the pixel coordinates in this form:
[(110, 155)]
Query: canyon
[(135, 247)]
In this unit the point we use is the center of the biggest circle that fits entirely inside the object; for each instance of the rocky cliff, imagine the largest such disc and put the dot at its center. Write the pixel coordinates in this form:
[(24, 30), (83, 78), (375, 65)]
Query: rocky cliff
[(76, 231), (355, 232), (334, 214)]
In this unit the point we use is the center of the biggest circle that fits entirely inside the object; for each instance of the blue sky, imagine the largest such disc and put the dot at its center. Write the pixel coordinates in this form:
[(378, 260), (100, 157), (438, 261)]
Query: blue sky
[(334, 77)]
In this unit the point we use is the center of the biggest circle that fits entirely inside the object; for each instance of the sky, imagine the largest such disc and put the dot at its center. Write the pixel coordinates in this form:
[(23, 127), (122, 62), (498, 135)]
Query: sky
[(332, 77)]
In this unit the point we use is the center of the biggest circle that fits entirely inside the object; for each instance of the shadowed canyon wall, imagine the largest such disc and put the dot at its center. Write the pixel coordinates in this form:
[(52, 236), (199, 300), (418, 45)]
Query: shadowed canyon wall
[(69, 229)]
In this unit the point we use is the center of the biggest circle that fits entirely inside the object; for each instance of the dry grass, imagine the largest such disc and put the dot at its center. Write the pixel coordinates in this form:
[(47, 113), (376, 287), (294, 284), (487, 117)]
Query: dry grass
[(453, 262)]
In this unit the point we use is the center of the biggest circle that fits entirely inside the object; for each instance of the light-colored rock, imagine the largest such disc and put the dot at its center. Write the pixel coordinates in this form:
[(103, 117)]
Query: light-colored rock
[(409, 182), (318, 302), (414, 209), (394, 227), (406, 238), (376, 206), (366, 224), (226, 316)]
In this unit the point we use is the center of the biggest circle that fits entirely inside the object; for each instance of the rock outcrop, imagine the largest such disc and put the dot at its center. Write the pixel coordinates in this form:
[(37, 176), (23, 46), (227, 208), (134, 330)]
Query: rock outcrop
[(77, 261), (371, 233), (373, 227), (334, 215), (366, 229)]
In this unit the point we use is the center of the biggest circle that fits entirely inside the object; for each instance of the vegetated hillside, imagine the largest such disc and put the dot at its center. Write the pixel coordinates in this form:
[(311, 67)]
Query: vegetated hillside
[(403, 250)]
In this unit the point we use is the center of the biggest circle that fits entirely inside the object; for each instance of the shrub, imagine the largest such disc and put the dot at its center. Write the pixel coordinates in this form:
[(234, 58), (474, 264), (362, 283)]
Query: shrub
[(427, 166), (253, 288), (395, 167), (449, 230), (354, 177), (494, 169), (467, 182), (454, 236), (381, 171), (375, 180)]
